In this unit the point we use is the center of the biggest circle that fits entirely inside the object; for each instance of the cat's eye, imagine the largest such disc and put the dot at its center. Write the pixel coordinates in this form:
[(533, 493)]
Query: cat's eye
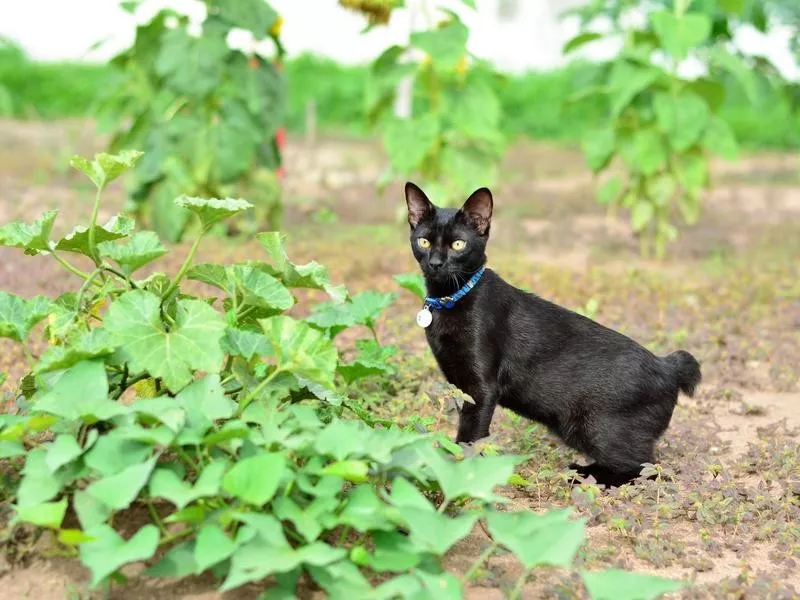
[(458, 245), (423, 243)]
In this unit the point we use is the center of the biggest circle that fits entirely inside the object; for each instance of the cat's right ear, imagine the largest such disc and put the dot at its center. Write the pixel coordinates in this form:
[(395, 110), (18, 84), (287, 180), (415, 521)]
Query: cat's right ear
[(419, 207)]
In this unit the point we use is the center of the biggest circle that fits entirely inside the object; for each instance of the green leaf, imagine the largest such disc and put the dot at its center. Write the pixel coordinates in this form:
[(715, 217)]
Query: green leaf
[(733, 6), (610, 191), (255, 480), (549, 539), (355, 471), (47, 514), (441, 586), (163, 409), (364, 512), (366, 307), (91, 512), (178, 562), (77, 240), (114, 451), (63, 450), (33, 238), (38, 483), (205, 402), (435, 532), (641, 215), (95, 343), (476, 477), (120, 490), (372, 360), (257, 288), (256, 16), (105, 168), (627, 81), (407, 495), (141, 248), (81, 392), (244, 343), (413, 282), (189, 66), (713, 92), (598, 147), (644, 152), (693, 172), (682, 118), (193, 343), (108, 552), (616, 584), (211, 274), (310, 275), (343, 439), (301, 349), (408, 141), (679, 34), (720, 139), (18, 316), (165, 483), (308, 521), (212, 547), (393, 552), (213, 210), (580, 40), (445, 46)]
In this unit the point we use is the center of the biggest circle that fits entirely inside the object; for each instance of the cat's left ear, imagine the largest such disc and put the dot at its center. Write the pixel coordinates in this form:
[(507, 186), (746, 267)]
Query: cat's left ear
[(478, 210)]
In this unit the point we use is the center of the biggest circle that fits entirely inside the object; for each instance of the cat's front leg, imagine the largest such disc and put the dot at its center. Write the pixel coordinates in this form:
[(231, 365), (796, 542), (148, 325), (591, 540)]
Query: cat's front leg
[(474, 420)]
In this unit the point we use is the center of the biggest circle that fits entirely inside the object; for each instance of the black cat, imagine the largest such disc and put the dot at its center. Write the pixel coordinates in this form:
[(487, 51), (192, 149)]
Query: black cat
[(598, 390)]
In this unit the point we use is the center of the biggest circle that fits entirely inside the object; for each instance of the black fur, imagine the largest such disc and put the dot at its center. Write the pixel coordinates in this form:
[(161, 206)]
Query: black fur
[(601, 392)]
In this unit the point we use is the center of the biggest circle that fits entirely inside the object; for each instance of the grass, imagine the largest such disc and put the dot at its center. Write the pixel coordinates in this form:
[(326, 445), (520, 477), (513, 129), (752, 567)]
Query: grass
[(533, 103)]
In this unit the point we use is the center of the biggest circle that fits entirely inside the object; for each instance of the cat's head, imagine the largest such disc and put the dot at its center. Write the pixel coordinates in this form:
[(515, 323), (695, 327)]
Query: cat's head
[(449, 244)]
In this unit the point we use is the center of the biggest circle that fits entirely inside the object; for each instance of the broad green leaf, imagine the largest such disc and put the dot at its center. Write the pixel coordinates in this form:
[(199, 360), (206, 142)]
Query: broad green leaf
[(407, 495), (435, 532), (355, 471), (680, 34), (255, 480), (61, 451), (346, 439), (105, 168), (344, 580), (598, 148), (38, 483), (10, 449), (91, 344), (413, 282), (91, 512), (393, 552), (247, 344), (367, 306), (683, 118), (190, 66), (644, 152), (18, 316), (193, 343), (549, 539), (114, 452), (334, 318), (213, 210), (255, 16), (120, 490), (720, 139), (616, 584), (47, 514), (476, 477), (205, 402), (642, 214), (475, 112), (733, 6), (610, 191), (713, 92), (581, 40), (33, 238), (212, 546), (301, 349), (364, 512), (78, 239), (211, 274), (178, 562), (163, 409), (81, 392), (408, 141), (445, 45), (108, 552), (372, 359), (693, 172), (627, 81), (308, 520), (441, 586), (73, 537), (310, 275), (141, 248), (165, 483), (257, 288)]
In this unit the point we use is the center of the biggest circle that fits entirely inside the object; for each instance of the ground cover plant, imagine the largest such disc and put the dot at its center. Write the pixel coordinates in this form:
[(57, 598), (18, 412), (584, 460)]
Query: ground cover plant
[(221, 418)]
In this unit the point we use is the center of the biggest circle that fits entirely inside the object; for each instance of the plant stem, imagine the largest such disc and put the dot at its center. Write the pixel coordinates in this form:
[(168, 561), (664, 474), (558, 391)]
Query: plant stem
[(69, 267), (121, 275), (92, 225), (257, 390), (86, 285), (186, 264), (443, 506), (169, 538), (480, 560), (517, 591), (156, 519)]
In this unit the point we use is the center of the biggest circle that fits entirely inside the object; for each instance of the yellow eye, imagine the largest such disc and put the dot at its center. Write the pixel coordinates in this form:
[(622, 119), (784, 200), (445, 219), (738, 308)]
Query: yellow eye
[(423, 243), (458, 245)]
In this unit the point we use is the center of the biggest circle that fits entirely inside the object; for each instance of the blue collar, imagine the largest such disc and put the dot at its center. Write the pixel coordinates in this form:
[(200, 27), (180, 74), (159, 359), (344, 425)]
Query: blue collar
[(450, 301)]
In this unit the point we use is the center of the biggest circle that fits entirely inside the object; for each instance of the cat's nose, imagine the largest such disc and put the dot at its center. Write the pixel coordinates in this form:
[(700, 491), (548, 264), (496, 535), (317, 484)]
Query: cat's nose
[(435, 263)]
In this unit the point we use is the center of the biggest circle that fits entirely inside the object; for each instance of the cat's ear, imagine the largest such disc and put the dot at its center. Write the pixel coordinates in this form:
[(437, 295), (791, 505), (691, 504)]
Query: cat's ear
[(478, 210), (419, 207)]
